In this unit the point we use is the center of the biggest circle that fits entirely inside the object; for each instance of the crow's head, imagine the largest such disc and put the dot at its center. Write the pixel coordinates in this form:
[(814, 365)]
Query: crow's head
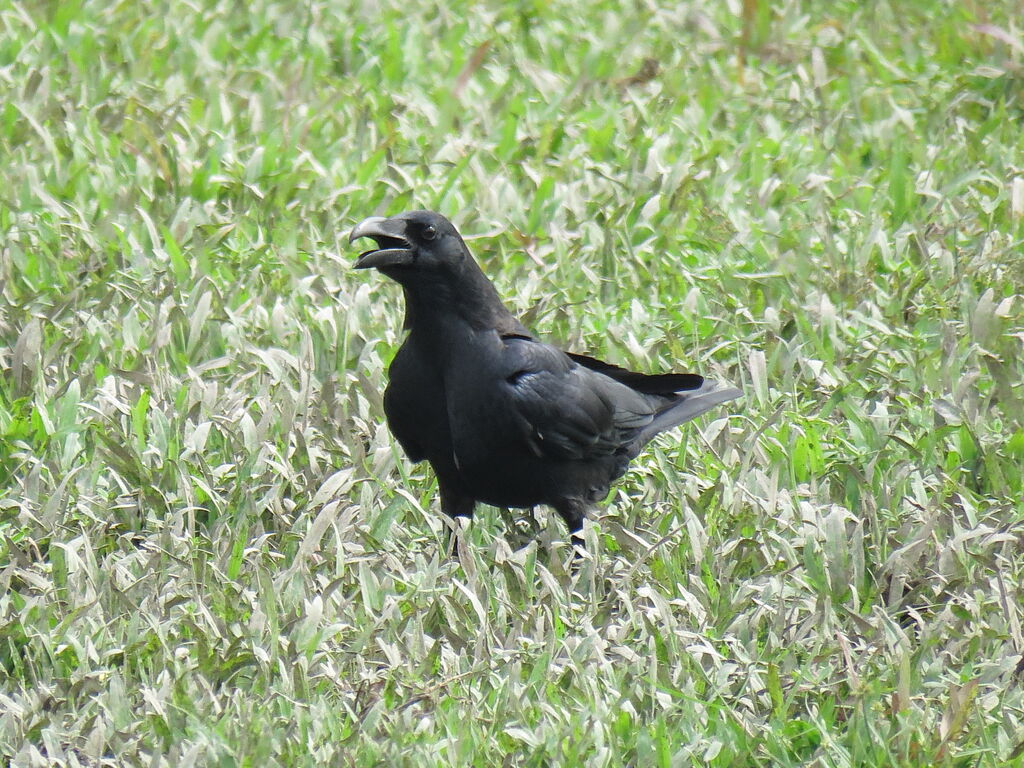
[(418, 243)]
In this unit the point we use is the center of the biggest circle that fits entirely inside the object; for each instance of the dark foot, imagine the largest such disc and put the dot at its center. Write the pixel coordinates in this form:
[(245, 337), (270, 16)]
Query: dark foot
[(454, 504), (573, 511)]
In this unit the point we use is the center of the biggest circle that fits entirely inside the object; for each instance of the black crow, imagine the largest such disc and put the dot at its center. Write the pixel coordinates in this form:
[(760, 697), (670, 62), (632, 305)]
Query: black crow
[(502, 417)]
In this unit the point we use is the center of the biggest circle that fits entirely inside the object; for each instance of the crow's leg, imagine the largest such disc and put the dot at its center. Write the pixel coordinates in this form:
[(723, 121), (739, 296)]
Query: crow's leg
[(573, 511), (455, 503)]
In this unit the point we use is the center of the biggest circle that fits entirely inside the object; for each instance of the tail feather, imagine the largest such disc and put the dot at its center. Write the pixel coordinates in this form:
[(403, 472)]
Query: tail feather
[(689, 405)]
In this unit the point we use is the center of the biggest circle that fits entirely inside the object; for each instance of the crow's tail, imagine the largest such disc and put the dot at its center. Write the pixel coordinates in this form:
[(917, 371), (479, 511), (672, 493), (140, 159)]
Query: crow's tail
[(687, 406)]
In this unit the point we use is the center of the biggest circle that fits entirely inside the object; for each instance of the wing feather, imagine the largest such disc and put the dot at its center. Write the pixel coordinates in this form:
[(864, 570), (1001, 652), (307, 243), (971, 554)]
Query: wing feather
[(566, 410)]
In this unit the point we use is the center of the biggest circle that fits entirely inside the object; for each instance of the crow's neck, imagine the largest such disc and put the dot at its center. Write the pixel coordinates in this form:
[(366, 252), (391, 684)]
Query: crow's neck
[(470, 301)]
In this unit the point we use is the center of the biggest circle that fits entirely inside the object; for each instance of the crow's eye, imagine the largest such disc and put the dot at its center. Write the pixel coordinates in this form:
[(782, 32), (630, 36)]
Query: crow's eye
[(429, 233)]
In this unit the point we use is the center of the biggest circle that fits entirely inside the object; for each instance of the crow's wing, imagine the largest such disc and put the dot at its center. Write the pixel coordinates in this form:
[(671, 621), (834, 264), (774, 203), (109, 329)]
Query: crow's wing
[(648, 383), (566, 410)]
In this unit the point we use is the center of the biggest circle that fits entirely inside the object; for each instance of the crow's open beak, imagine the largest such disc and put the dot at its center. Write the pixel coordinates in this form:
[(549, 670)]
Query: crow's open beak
[(393, 249)]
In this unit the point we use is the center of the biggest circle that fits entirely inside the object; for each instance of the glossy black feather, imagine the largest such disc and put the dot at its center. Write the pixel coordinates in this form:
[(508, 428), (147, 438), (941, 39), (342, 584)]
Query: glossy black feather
[(651, 384)]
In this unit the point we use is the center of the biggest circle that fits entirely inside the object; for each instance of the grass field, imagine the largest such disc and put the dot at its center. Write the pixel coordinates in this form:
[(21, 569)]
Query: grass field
[(212, 553)]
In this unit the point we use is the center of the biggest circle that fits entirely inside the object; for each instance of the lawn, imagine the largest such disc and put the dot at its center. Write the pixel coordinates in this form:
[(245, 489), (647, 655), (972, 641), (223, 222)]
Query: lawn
[(213, 553)]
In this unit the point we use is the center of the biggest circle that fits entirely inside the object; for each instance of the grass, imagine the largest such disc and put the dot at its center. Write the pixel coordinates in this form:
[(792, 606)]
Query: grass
[(212, 552)]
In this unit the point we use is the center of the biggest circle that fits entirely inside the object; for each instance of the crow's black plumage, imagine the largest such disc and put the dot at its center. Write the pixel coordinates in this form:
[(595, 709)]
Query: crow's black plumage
[(503, 418)]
